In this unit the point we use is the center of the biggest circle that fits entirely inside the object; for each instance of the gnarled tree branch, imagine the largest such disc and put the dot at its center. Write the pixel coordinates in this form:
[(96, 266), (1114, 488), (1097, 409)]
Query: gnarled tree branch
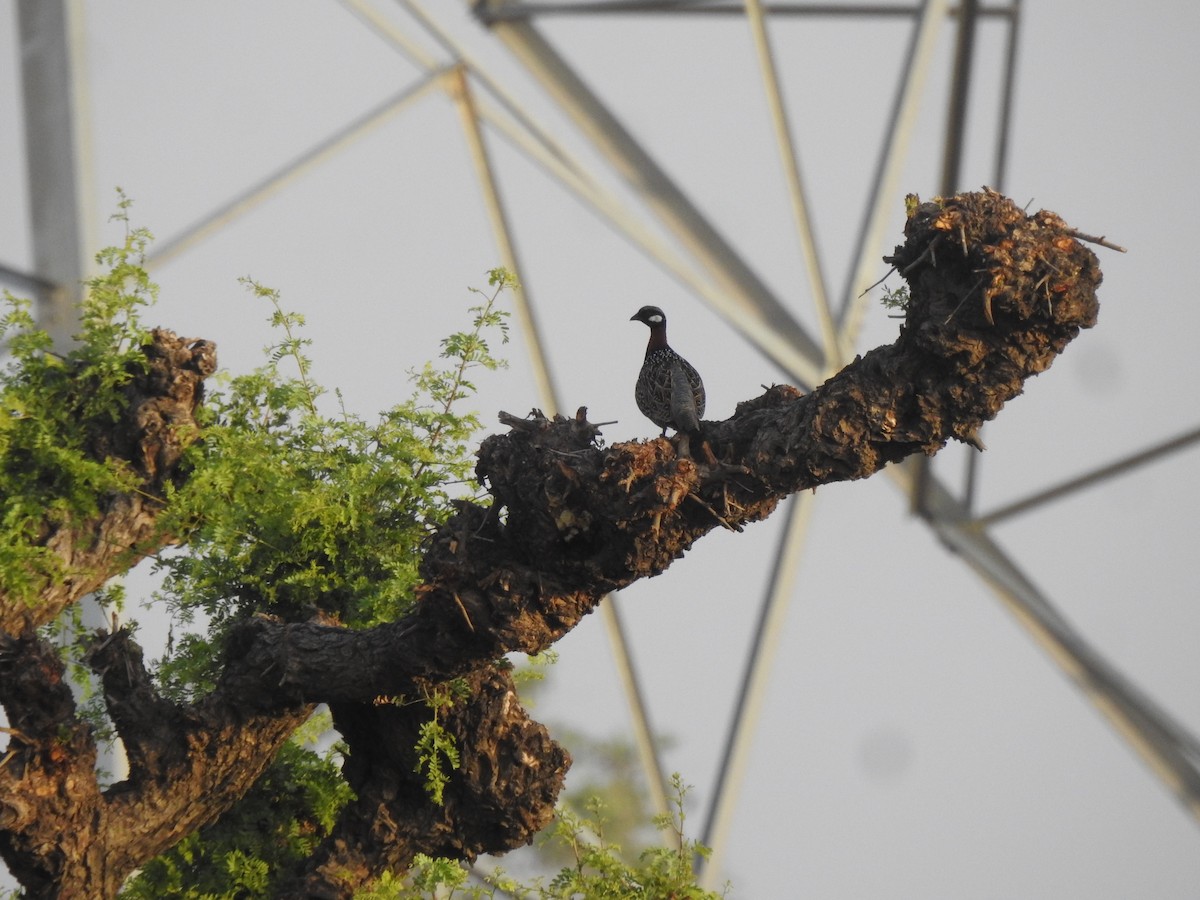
[(994, 305), (995, 296)]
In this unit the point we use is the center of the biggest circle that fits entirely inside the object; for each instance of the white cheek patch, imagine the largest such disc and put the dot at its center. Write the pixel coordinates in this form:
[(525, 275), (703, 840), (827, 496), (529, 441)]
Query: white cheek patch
[(656, 319)]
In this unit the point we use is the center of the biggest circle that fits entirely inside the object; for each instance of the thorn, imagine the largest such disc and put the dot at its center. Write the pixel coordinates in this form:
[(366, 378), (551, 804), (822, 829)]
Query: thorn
[(1092, 239)]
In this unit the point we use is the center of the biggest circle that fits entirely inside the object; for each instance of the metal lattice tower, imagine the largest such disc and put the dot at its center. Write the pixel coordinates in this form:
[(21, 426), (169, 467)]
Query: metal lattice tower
[(655, 214)]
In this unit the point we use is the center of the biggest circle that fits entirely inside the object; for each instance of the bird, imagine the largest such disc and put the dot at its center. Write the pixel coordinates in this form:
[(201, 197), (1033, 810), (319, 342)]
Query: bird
[(669, 391)]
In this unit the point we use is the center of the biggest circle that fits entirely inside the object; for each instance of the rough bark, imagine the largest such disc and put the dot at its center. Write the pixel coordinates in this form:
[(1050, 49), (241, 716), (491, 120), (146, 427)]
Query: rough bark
[(502, 795), (995, 296), (60, 834)]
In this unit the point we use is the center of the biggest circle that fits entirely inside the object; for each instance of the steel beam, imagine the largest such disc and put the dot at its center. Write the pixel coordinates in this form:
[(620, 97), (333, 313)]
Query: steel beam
[(1000, 173), (960, 93), (525, 10), (286, 174), (502, 232), (56, 154), (1170, 751), (790, 159), (756, 681), (1088, 479), (884, 186)]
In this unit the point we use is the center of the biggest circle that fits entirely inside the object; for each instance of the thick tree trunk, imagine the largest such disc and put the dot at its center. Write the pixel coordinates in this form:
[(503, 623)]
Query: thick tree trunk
[(995, 296)]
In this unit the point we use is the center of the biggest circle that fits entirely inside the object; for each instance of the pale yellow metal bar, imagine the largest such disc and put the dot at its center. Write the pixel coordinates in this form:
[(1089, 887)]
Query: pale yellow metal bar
[(277, 181), (885, 195), (834, 352), (502, 232), (755, 684)]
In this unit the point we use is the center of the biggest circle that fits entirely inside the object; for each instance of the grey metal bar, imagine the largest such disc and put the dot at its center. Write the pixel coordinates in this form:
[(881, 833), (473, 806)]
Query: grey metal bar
[(1071, 485), (281, 177), (1003, 124), (510, 11), (1006, 97), (956, 122), (1171, 752), (55, 145), (905, 108), (24, 281), (756, 679), (960, 92)]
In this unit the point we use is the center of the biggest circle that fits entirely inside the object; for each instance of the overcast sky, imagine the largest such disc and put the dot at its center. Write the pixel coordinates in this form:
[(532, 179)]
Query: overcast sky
[(914, 743)]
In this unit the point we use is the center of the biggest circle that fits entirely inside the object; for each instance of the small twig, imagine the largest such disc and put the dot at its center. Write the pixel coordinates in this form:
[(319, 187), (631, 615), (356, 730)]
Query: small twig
[(571, 453), (458, 600), (1049, 298), (712, 512), (928, 251), (19, 735), (1092, 239), (886, 276), (987, 307)]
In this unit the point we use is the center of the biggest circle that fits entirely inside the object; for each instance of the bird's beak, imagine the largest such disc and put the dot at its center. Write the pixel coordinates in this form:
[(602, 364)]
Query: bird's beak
[(633, 318)]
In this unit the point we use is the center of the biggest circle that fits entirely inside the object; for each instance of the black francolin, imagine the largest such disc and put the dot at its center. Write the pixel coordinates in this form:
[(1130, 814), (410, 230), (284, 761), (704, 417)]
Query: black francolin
[(669, 390)]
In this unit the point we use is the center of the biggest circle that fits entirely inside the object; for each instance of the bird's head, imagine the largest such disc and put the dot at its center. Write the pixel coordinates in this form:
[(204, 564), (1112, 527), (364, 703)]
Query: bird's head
[(651, 315)]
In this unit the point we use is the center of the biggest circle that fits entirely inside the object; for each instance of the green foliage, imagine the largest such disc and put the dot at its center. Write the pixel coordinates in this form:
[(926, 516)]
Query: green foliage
[(56, 409), (600, 872), (436, 747), (434, 744), (535, 671), (290, 510), (897, 299)]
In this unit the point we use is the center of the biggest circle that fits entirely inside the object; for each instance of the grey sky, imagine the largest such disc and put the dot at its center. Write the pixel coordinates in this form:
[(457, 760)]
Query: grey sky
[(915, 743)]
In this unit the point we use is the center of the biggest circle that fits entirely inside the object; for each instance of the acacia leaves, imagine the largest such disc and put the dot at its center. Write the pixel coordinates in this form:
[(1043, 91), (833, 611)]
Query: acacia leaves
[(294, 511), (56, 406)]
